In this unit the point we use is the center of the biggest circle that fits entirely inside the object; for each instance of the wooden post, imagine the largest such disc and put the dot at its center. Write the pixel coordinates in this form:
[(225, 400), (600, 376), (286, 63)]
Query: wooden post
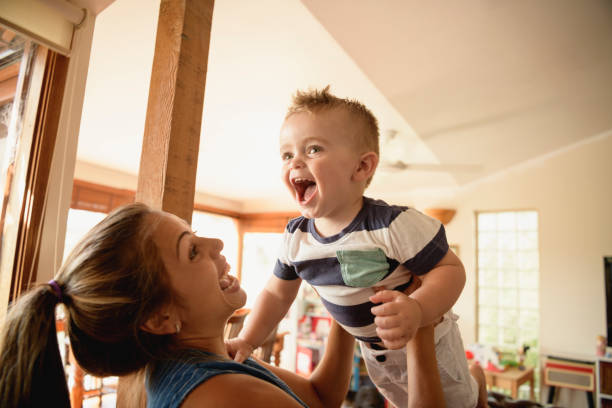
[(169, 159), (166, 180)]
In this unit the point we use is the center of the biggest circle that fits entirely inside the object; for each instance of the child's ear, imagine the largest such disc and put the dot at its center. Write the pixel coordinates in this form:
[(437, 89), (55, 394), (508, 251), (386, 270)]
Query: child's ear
[(161, 322), (367, 165)]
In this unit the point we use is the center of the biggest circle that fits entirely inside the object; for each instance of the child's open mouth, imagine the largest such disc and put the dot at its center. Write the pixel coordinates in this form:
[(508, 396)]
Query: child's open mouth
[(305, 189)]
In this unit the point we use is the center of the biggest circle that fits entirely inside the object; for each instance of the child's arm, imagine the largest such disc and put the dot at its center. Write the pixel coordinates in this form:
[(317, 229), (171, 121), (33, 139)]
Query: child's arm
[(270, 307), (440, 288), (400, 315)]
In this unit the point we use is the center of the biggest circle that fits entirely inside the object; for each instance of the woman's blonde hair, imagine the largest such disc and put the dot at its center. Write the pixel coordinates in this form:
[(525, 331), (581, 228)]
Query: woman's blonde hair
[(110, 284)]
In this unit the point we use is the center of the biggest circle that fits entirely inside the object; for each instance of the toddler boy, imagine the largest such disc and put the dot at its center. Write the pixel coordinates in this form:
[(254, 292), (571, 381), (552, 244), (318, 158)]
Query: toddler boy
[(357, 252)]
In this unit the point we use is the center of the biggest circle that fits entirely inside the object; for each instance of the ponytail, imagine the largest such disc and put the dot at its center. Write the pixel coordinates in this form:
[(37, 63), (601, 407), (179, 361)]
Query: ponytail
[(31, 370)]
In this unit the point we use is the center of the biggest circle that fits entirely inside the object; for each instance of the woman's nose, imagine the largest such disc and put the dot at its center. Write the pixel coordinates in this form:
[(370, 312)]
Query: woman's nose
[(218, 245), (214, 245)]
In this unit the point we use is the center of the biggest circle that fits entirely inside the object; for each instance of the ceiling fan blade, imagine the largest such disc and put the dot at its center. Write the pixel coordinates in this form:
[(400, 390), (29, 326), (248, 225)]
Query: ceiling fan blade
[(449, 168)]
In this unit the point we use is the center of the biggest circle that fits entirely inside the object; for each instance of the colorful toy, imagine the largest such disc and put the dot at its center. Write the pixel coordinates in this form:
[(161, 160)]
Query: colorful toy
[(487, 356)]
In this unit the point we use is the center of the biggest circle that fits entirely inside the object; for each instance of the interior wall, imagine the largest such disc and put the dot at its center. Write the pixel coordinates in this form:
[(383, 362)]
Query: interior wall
[(571, 190)]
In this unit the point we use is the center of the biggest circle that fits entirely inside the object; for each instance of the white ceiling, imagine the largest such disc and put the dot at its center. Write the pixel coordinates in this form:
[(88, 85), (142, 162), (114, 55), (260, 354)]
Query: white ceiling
[(474, 82)]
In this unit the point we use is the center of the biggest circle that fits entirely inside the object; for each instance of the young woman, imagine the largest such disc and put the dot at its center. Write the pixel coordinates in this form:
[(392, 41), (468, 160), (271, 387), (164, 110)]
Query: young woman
[(142, 292)]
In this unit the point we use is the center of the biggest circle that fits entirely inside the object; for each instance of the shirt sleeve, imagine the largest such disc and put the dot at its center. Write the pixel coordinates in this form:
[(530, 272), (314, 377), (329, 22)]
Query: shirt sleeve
[(283, 268), (418, 240), (285, 272)]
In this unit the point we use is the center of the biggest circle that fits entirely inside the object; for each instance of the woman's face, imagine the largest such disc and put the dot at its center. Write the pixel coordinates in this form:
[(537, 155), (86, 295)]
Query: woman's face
[(198, 274)]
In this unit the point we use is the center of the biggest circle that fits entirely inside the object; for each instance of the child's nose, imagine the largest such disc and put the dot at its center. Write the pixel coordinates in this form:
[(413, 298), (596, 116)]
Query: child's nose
[(297, 162)]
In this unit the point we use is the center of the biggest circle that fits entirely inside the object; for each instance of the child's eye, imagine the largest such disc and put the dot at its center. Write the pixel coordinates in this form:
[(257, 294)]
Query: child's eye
[(286, 156), (314, 149), (193, 252)]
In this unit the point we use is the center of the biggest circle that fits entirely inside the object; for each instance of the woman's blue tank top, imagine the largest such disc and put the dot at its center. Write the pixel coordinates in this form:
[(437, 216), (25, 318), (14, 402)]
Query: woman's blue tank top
[(169, 381)]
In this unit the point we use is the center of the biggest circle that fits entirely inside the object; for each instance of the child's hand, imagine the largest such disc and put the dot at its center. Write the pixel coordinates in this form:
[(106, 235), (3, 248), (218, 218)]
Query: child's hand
[(238, 349), (397, 318)]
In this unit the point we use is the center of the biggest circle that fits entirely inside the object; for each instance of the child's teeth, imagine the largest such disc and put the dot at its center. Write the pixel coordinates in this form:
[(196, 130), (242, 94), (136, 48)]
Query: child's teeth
[(224, 282)]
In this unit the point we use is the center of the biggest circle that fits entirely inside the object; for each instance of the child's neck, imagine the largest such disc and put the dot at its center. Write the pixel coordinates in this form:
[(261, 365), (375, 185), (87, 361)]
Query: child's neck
[(335, 223)]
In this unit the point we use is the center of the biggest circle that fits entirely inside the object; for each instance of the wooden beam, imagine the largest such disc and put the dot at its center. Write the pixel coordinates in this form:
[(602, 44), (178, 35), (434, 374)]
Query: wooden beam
[(169, 159), (171, 143)]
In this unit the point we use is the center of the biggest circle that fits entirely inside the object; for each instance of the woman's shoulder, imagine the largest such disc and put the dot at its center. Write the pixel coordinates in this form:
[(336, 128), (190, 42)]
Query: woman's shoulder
[(171, 379), (237, 390), (200, 379)]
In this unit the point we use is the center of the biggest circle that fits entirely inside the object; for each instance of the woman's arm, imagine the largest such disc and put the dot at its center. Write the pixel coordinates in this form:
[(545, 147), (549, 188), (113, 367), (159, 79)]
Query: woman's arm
[(326, 387), (424, 386)]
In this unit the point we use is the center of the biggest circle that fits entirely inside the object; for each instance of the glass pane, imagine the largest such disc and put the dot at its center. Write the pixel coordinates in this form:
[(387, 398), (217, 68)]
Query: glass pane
[(527, 220), (506, 241), (16, 59), (487, 297), (529, 279), (529, 298), (528, 260), (508, 298), (507, 260), (508, 317), (487, 334), (487, 259), (487, 315), (487, 277), (487, 222), (79, 222), (487, 240), (529, 319), (218, 226), (506, 221), (528, 240), (529, 336), (510, 336), (259, 255), (509, 278)]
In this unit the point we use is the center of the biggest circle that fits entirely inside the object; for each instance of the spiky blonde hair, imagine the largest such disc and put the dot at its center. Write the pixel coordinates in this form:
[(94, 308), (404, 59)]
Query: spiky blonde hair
[(318, 100)]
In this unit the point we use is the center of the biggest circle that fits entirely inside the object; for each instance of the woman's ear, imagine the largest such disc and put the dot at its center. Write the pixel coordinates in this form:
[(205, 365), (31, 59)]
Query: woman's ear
[(367, 165), (161, 322)]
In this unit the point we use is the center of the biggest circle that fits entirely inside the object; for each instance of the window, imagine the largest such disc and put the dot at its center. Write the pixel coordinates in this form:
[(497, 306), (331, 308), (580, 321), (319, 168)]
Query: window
[(79, 222), (218, 226), (258, 259), (508, 281)]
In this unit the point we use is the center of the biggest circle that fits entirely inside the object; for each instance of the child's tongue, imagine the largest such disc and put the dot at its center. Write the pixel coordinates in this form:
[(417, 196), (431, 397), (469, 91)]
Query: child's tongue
[(309, 192)]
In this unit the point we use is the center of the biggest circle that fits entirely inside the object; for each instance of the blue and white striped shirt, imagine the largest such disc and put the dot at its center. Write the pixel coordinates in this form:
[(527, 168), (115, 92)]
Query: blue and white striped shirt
[(343, 268)]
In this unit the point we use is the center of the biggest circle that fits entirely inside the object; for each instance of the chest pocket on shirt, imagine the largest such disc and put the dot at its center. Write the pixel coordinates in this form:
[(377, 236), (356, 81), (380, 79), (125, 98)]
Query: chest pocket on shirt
[(362, 268)]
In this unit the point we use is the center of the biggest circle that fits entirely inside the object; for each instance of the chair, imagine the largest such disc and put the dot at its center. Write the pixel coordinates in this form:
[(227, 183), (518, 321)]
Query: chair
[(235, 323), (279, 344), (264, 352)]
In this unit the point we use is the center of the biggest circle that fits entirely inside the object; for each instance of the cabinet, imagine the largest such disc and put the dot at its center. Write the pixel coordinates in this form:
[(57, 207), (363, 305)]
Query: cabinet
[(604, 382)]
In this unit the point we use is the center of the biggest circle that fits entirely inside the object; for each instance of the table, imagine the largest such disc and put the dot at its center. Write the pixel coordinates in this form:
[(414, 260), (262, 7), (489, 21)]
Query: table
[(511, 379)]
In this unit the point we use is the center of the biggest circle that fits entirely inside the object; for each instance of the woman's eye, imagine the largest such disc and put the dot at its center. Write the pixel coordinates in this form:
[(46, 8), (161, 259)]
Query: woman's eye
[(314, 149), (193, 252)]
